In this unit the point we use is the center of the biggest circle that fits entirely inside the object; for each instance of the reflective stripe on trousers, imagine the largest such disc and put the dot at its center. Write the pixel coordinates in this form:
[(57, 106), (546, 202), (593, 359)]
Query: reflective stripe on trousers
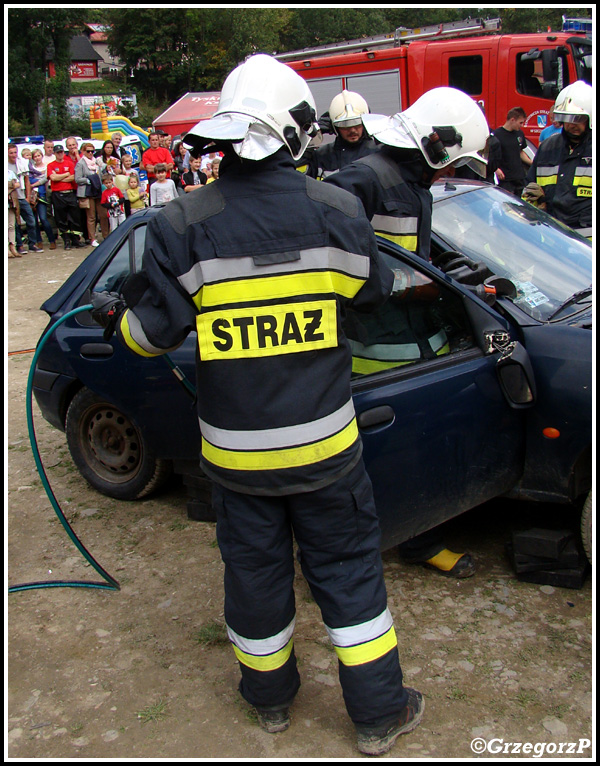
[(337, 531)]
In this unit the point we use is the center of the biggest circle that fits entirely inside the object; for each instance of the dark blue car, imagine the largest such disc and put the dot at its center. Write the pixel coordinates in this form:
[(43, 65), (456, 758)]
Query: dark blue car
[(472, 382)]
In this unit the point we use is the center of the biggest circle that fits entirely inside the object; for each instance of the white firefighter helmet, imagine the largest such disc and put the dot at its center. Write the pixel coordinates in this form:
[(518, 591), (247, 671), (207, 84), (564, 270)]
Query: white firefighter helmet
[(445, 124), (346, 109), (574, 103), (264, 105)]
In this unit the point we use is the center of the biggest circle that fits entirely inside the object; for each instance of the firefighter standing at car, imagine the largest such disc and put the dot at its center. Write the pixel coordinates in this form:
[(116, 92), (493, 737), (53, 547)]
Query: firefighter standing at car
[(344, 119), (442, 130), (262, 265), (560, 179)]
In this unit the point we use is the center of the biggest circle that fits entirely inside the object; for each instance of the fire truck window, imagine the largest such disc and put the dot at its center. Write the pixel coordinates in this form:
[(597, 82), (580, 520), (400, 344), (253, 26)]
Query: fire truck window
[(466, 74), (530, 77), (381, 91), (421, 322)]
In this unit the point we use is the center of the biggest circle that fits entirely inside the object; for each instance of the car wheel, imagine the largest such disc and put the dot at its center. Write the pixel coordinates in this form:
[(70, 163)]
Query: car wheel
[(586, 526), (110, 451)]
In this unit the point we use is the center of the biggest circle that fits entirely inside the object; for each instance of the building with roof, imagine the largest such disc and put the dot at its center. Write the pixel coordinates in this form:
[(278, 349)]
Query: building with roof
[(84, 60), (97, 36)]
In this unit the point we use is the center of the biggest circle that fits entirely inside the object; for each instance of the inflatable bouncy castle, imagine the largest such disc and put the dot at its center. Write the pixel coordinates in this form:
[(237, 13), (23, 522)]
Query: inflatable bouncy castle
[(102, 127)]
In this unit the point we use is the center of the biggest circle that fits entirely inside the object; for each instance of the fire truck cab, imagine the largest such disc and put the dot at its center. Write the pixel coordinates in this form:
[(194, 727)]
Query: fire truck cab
[(498, 71)]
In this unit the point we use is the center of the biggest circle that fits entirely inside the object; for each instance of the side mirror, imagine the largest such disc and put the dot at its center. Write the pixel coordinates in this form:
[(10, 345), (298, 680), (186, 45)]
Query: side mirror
[(515, 375), (550, 65)]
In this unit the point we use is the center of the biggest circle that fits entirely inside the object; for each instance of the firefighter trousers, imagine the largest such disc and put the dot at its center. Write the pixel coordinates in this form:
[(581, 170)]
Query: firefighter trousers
[(337, 532)]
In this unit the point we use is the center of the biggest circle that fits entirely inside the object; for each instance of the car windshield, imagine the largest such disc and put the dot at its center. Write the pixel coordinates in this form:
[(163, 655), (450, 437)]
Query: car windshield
[(549, 264)]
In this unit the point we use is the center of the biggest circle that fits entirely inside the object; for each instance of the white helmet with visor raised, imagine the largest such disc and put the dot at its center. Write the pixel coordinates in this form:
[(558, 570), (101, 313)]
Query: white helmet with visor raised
[(444, 124), (264, 105)]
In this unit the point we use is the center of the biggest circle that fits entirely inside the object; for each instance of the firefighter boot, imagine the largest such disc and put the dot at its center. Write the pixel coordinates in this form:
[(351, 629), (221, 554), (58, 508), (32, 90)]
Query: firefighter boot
[(377, 741), (274, 719)]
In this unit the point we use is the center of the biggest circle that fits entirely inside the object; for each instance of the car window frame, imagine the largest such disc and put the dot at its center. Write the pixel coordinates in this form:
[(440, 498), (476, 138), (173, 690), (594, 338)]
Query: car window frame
[(85, 317)]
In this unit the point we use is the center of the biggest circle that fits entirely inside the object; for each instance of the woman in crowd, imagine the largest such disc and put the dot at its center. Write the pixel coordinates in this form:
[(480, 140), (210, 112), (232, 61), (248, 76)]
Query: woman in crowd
[(39, 202), (89, 191), (109, 161)]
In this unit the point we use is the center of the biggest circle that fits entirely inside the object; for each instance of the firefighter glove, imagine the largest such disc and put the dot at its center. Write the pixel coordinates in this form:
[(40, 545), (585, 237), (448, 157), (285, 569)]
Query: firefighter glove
[(534, 194), (107, 310)]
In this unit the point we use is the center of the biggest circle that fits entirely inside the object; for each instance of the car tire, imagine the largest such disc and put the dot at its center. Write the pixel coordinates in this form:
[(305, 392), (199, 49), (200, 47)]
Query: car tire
[(110, 451), (586, 527)]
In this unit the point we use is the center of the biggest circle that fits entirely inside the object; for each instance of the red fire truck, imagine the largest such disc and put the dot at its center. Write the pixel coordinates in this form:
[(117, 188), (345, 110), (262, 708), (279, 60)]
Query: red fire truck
[(499, 71)]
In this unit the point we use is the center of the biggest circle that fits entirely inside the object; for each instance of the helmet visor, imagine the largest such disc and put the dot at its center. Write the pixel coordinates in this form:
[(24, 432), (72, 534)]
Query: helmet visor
[(389, 131), (250, 138), (350, 122), (477, 162), (576, 118), (225, 127)]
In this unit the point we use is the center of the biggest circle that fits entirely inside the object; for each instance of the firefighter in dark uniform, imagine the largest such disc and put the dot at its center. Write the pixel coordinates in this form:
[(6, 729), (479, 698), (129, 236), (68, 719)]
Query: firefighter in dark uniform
[(560, 179), (442, 130), (262, 265), (344, 119)]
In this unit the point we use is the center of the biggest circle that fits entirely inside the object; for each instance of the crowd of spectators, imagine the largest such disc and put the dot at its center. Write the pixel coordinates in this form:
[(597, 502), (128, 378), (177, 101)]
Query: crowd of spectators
[(70, 191)]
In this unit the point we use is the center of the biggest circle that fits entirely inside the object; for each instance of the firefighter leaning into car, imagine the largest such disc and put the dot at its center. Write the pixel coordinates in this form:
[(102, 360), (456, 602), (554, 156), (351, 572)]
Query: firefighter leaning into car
[(560, 179), (442, 130), (344, 119), (262, 265)]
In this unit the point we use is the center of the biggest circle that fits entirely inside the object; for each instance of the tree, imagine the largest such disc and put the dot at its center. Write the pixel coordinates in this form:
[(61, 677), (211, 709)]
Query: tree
[(36, 35), (169, 52)]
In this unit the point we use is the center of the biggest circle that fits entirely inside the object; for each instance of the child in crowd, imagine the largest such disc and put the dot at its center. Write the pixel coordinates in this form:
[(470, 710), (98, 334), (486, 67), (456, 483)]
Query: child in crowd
[(138, 199), (214, 168), (122, 178), (163, 189), (112, 200)]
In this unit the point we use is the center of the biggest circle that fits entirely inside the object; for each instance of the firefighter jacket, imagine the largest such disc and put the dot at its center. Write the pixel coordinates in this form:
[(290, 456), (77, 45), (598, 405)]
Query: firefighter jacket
[(262, 265), (564, 171), (396, 200), (334, 156)]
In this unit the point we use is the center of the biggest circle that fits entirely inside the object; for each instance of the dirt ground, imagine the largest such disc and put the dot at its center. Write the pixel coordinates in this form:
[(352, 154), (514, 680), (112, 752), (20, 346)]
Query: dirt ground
[(146, 673)]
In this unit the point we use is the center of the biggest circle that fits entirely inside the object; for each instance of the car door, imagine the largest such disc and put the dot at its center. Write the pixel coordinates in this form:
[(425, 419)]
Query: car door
[(439, 434), (143, 388)]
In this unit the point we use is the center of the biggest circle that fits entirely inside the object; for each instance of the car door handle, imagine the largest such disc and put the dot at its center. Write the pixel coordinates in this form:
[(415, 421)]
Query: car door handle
[(376, 418), (96, 350)]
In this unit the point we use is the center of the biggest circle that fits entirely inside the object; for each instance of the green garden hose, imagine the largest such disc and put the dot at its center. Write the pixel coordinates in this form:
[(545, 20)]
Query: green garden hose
[(110, 582)]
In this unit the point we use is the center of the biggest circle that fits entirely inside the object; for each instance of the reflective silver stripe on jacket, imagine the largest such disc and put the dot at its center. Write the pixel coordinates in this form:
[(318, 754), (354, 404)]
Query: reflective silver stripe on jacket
[(137, 334), (280, 438), (547, 170), (392, 225), (319, 258)]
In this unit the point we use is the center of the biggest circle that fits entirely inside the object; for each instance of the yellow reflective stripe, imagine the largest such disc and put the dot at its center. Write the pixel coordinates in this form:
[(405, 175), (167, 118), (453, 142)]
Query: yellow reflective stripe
[(547, 180), (127, 337), (294, 457), (582, 181), (198, 299), (366, 366), (265, 662), (369, 651), (363, 366), (407, 241), (277, 287)]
